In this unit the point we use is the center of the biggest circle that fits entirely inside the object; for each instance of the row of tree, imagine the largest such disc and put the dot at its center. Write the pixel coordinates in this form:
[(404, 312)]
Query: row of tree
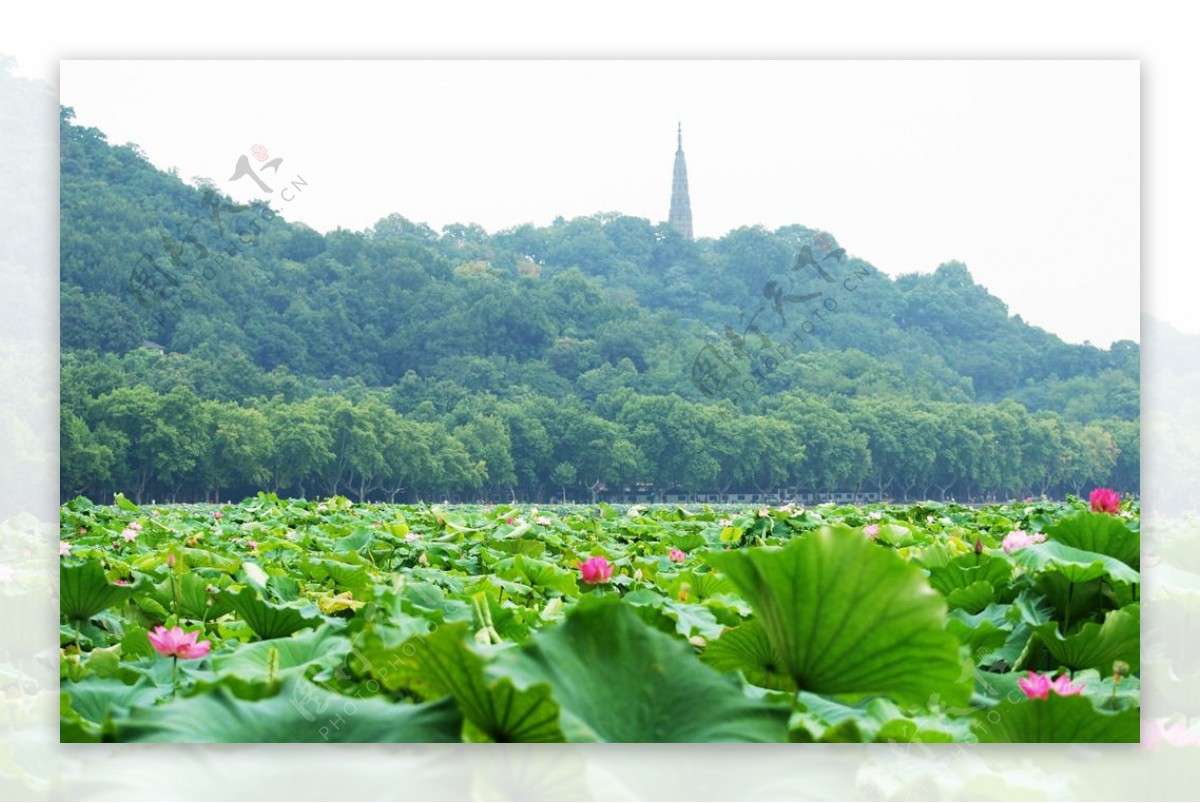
[(176, 446)]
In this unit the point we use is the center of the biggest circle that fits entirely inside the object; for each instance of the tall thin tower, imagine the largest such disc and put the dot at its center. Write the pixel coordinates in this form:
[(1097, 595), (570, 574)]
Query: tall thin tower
[(681, 205)]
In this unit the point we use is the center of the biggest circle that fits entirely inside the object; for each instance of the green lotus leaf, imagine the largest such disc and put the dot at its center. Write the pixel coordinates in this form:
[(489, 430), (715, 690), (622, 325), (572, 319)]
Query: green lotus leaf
[(617, 680), (495, 710), (847, 617), (84, 591), (541, 575), (96, 700), (1076, 565), (266, 619), (1097, 644), (282, 658), (300, 712), (1101, 533), (968, 570), (1055, 719), (747, 649), (345, 576), (974, 598), (983, 632)]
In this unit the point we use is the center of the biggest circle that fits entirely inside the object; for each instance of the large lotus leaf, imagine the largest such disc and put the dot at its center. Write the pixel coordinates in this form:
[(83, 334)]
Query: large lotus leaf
[(1031, 609), (73, 728), (84, 591), (266, 619), (972, 599), (699, 586), (1096, 645), (847, 617), (983, 632), (684, 618), (301, 712), (374, 653), (963, 572), (541, 575), (96, 699), (203, 558), (618, 680), (1055, 719), (429, 601), (1101, 533), (282, 658), (194, 598), (530, 547), (747, 649), (359, 539), (497, 711), (345, 576), (1077, 565)]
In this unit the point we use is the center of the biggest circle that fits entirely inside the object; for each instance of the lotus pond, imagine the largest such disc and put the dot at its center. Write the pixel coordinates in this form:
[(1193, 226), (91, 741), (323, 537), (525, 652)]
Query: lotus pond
[(330, 621)]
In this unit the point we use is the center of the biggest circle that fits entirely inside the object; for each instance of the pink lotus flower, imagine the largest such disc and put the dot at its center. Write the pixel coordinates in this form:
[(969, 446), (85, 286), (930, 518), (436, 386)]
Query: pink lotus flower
[(251, 544), (596, 570), (64, 548), (129, 534), (509, 520), (171, 560), (544, 521), (411, 536), (725, 523), (1105, 500), (136, 526), (1177, 734), (175, 642), (1063, 686), (1038, 687), (871, 531), (875, 514), (1019, 539), (218, 514), (121, 582), (678, 555)]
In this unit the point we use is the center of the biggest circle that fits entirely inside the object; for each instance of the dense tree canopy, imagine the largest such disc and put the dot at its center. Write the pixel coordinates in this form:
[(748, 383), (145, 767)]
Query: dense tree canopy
[(212, 349)]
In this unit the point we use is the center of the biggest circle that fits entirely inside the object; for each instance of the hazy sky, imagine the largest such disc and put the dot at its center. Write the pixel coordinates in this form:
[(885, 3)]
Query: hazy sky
[(1027, 171)]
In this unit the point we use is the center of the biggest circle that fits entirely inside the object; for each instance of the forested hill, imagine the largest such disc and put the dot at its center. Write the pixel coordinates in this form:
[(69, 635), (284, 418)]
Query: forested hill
[(215, 347)]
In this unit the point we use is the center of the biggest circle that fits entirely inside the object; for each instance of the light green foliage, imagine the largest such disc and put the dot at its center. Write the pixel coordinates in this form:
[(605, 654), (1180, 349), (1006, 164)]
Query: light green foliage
[(468, 623)]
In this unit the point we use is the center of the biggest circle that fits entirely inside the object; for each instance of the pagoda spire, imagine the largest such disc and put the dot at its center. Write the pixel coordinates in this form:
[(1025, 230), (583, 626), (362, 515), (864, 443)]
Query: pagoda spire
[(681, 205)]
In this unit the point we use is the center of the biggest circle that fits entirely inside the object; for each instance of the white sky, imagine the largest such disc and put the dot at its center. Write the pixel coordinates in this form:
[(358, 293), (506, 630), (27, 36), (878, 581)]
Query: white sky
[(1025, 171)]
